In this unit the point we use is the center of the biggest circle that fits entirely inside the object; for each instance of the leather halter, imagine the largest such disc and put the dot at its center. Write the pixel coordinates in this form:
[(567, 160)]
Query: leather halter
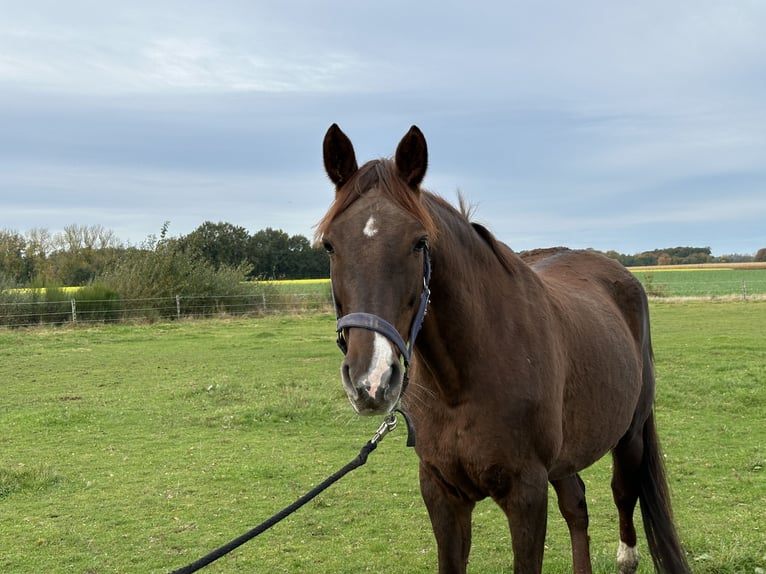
[(379, 325)]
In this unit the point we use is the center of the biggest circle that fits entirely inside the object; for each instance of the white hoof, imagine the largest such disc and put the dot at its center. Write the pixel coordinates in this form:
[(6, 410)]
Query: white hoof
[(627, 559)]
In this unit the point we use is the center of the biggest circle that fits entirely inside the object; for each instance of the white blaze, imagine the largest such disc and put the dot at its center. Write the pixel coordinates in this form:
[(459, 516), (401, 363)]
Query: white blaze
[(382, 359), (370, 229)]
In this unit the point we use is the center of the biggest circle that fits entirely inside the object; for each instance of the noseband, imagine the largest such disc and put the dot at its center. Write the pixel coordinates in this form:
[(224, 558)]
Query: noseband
[(379, 325)]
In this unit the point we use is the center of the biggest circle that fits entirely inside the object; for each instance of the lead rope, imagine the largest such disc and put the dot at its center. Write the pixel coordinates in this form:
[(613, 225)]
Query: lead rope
[(388, 424)]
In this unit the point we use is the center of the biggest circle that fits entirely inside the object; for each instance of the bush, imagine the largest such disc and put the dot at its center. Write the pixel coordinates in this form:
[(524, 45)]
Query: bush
[(33, 305), (98, 302), (652, 289), (149, 280), (50, 304)]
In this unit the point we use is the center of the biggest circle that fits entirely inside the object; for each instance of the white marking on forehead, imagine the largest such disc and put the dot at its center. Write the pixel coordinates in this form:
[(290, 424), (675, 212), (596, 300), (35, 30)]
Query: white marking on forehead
[(380, 363), (370, 228)]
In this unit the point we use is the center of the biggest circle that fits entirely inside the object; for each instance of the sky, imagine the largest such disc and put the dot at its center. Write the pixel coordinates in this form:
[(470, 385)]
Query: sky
[(612, 125)]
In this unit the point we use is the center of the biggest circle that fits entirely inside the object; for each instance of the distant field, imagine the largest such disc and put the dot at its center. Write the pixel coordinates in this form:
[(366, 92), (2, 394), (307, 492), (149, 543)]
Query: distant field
[(292, 286), (747, 265), (698, 281)]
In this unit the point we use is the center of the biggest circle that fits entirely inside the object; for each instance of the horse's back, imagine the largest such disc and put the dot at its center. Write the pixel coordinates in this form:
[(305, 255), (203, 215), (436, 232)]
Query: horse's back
[(579, 274)]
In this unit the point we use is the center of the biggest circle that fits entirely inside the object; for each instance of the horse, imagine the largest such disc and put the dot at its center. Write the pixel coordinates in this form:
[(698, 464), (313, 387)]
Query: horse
[(523, 369)]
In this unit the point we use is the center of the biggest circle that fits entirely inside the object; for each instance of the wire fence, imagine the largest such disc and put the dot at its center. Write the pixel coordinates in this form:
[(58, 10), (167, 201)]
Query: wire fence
[(23, 308), (21, 313)]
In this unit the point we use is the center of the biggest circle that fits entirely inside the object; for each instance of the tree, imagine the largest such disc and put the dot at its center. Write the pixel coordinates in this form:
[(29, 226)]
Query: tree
[(761, 255), (269, 250), (12, 265), (82, 253), (39, 247), (271, 253), (219, 243), (307, 262)]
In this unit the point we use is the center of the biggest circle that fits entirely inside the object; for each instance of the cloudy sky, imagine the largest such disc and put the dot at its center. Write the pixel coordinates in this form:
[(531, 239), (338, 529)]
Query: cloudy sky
[(606, 124)]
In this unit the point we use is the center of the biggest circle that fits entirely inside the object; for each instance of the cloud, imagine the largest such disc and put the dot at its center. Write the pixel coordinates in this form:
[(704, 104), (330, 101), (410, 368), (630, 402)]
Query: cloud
[(573, 122)]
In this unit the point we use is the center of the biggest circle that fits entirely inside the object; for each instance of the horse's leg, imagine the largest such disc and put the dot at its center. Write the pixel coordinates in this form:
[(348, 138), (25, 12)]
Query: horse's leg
[(573, 506), (450, 515), (627, 457), (526, 506)]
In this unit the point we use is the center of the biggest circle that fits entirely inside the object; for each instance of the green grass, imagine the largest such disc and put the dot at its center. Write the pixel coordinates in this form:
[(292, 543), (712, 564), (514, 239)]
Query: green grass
[(141, 448), (709, 283)]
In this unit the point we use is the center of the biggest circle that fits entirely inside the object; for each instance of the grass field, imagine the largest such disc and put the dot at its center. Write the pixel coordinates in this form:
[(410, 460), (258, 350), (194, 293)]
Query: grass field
[(705, 282), (140, 448)]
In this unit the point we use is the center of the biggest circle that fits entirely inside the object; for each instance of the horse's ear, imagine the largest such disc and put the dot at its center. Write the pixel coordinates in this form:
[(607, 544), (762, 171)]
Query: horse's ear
[(339, 157), (412, 157)]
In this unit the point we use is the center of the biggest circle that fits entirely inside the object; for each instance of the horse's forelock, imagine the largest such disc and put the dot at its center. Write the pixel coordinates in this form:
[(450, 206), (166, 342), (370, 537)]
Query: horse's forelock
[(381, 174)]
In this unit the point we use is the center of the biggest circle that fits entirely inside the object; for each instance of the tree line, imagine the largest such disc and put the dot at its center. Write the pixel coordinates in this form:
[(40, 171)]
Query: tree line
[(682, 256), (81, 255)]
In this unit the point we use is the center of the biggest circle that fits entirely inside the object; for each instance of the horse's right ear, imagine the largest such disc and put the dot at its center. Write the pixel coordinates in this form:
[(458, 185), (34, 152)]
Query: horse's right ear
[(412, 157), (339, 157)]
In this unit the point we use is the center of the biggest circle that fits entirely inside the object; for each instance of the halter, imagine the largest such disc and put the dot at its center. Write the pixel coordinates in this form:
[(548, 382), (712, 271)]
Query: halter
[(379, 325)]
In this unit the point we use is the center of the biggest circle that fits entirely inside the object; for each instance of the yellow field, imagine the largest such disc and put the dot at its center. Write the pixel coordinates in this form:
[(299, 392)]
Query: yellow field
[(296, 282), (698, 266)]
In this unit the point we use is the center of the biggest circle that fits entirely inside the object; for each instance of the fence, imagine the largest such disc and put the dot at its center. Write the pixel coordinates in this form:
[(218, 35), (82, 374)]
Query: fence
[(21, 313), (20, 309)]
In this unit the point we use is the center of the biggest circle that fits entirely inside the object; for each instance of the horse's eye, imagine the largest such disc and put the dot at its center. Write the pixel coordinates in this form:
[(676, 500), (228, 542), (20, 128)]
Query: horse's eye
[(421, 244), (328, 247)]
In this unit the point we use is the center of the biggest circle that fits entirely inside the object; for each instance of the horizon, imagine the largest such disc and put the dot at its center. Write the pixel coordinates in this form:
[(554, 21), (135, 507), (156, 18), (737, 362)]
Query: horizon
[(164, 232)]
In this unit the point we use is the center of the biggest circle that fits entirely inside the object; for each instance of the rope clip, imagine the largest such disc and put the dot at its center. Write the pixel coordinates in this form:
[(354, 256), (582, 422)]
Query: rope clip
[(388, 424)]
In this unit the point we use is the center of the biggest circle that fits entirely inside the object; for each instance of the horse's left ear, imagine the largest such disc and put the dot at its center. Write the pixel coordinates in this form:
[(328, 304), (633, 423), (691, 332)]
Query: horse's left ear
[(412, 157)]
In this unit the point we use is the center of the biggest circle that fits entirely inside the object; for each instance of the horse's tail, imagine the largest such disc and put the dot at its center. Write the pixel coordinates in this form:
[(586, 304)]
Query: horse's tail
[(654, 496)]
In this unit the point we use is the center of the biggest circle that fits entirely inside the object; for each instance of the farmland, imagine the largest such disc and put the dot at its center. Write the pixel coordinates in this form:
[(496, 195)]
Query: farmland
[(138, 448), (704, 281)]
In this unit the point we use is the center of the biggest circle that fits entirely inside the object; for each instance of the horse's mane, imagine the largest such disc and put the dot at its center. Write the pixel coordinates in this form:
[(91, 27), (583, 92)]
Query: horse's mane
[(381, 174), (463, 216)]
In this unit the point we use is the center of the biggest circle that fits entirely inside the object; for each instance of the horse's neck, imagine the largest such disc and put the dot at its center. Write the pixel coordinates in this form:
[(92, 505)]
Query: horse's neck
[(466, 299)]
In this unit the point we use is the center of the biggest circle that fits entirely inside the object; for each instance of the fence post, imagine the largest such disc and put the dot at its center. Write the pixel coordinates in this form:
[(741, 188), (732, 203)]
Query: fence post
[(744, 290), (263, 298), (74, 310), (178, 306)]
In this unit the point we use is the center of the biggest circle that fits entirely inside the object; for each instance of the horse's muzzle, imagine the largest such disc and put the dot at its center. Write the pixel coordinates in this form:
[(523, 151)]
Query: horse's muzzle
[(373, 381)]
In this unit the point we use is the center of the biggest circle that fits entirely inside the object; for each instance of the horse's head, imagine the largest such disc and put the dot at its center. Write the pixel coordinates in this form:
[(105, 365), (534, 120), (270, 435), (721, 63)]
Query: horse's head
[(376, 232)]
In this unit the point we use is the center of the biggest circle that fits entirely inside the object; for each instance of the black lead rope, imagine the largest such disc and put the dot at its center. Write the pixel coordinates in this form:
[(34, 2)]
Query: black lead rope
[(385, 427), (366, 321)]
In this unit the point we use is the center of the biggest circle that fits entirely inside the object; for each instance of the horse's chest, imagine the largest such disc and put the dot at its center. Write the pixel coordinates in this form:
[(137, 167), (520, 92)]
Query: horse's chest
[(465, 464)]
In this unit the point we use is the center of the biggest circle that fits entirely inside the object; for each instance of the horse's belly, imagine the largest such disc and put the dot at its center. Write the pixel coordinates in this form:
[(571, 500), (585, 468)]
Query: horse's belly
[(593, 425)]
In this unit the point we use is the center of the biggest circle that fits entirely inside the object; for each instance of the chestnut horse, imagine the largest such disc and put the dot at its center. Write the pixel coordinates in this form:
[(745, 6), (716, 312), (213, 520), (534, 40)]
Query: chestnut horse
[(528, 368)]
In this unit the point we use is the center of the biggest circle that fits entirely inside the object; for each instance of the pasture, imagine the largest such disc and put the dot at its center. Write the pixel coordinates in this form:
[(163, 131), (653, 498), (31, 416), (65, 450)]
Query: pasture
[(734, 281), (129, 448)]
